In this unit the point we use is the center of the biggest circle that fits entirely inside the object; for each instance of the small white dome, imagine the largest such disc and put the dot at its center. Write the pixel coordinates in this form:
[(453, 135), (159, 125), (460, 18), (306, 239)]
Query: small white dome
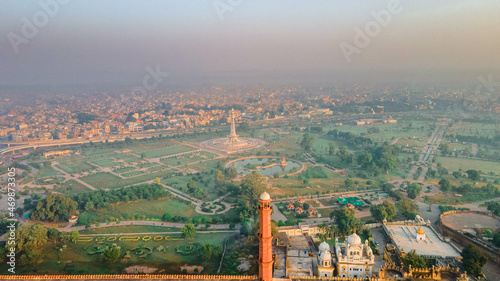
[(353, 239), (265, 196), (323, 247), (325, 256)]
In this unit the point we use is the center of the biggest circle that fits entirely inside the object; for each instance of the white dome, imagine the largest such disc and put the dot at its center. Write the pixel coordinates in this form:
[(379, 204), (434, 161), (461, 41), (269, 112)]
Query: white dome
[(265, 196), (353, 239), (325, 256), (323, 247)]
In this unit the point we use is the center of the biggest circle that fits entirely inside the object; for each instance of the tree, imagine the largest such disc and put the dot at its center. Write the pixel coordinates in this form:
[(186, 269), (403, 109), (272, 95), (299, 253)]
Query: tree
[(473, 260), (231, 172), (445, 149), (111, 255), (473, 175), (89, 206), (53, 233), (496, 239), (494, 207), (407, 208), (74, 235), (343, 153), (383, 211), (307, 142), (331, 148), (345, 220), (85, 117), (414, 190), (166, 216), (305, 206), (413, 259), (188, 231), (252, 186), (445, 185), (30, 237), (457, 174), (244, 127), (191, 186), (209, 252), (365, 159), (143, 155), (387, 162), (157, 180), (54, 208), (348, 183), (378, 212), (219, 176)]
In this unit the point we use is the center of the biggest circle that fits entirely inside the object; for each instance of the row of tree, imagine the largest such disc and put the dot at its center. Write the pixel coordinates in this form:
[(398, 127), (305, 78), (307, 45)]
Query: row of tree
[(101, 198)]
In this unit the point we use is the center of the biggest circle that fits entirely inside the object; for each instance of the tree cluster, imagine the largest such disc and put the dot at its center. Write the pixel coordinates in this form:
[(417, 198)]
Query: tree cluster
[(384, 211), (346, 220), (473, 260), (54, 208), (100, 198), (407, 208)]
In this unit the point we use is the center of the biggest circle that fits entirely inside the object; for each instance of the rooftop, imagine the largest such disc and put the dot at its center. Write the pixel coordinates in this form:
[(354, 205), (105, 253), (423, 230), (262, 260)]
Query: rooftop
[(404, 237)]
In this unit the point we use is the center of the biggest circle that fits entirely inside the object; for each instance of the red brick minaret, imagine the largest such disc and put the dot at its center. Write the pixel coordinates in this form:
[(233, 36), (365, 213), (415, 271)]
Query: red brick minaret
[(265, 239)]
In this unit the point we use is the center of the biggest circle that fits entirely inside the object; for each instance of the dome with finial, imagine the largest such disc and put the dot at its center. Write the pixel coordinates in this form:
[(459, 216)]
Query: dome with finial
[(265, 196), (353, 239), (323, 247), (420, 230)]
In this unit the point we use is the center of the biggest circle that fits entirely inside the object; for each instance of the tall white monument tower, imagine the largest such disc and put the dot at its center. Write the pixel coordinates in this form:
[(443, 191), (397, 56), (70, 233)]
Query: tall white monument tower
[(233, 137)]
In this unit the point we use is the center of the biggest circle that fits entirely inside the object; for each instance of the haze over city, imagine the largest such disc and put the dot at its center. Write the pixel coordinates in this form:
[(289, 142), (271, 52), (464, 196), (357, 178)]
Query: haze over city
[(254, 140), (112, 42)]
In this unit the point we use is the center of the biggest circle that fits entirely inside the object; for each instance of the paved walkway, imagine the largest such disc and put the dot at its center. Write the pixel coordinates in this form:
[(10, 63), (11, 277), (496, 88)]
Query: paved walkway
[(158, 233), (71, 226)]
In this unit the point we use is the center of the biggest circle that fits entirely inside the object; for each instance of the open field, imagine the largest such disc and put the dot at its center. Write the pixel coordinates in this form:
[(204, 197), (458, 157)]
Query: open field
[(73, 187), (161, 152), (325, 213), (454, 164), (472, 129), (107, 180), (188, 158), (47, 172), (74, 165)]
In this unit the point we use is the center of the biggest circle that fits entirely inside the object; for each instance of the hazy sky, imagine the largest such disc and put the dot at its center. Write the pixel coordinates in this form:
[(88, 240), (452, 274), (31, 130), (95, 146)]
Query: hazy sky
[(113, 41)]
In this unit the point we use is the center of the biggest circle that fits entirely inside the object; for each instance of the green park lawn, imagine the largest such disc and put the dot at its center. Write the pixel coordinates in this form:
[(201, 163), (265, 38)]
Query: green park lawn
[(129, 229), (124, 170), (73, 165), (107, 180), (152, 209), (181, 182), (73, 187), (165, 151), (55, 261), (454, 164), (133, 174), (47, 172), (188, 158)]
